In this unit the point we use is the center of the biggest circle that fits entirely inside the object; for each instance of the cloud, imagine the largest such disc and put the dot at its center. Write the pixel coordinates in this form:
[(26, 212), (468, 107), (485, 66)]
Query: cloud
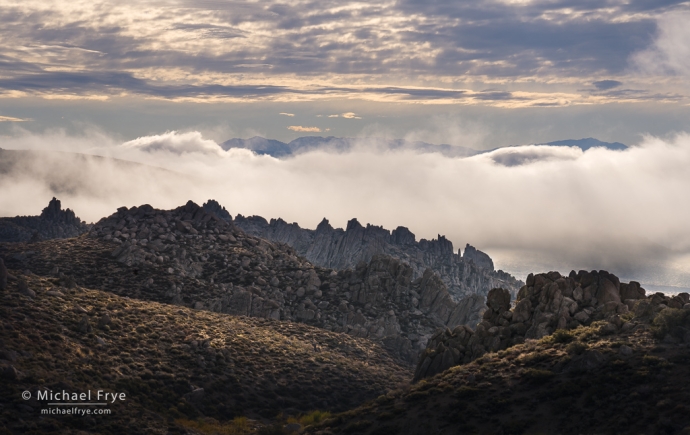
[(176, 143), (604, 85), (350, 115), (333, 116), (534, 208), (286, 114), (300, 128), (524, 155), (12, 119), (669, 54), (307, 51)]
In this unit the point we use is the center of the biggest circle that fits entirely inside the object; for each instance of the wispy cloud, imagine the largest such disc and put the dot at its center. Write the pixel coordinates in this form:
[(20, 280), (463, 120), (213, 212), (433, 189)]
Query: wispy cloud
[(670, 52), (13, 119), (286, 114), (300, 128)]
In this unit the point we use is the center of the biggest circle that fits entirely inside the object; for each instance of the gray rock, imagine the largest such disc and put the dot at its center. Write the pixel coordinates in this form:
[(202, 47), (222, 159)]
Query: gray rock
[(84, 325), (10, 373), (195, 396), (104, 321), (24, 288), (471, 273)]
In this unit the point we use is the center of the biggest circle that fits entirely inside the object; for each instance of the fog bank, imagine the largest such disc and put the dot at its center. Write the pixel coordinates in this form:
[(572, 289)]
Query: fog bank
[(532, 208)]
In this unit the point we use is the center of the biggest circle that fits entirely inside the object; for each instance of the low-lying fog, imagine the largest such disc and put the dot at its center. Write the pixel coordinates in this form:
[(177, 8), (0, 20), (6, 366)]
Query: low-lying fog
[(532, 208)]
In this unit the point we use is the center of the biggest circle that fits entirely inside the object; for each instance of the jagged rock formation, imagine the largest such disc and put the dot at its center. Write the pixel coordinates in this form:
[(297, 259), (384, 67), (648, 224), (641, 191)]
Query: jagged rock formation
[(479, 258), (53, 223), (212, 206), (464, 275), (547, 302), (191, 257)]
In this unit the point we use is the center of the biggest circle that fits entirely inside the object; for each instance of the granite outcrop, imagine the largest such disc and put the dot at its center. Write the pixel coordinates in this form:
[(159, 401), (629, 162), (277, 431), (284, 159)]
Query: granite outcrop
[(547, 303), (52, 223), (465, 275)]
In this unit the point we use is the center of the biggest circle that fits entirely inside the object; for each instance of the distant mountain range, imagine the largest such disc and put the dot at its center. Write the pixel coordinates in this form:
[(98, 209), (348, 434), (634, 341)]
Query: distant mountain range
[(278, 149), (587, 143)]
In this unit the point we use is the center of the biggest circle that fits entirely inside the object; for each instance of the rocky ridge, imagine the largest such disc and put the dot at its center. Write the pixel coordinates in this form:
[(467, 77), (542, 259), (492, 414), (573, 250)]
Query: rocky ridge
[(465, 275), (583, 381), (189, 256), (53, 223), (548, 302)]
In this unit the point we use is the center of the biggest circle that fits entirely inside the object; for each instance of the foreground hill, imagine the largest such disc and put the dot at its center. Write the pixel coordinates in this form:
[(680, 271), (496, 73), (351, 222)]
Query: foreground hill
[(583, 381), (177, 366), (583, 354), (191, 257)]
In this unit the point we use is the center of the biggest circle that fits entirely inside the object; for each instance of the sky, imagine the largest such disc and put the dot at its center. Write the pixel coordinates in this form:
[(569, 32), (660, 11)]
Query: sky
[(481, 74), (163, 83)]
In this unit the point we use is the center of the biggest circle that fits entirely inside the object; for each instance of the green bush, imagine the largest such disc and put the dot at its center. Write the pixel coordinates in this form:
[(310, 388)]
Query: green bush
[(562, 336), (670, 321), (576, 348)]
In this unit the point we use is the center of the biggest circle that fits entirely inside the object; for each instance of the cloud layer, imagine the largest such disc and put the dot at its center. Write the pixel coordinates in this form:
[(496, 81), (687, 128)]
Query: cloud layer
[(532, 208), (501, 53)]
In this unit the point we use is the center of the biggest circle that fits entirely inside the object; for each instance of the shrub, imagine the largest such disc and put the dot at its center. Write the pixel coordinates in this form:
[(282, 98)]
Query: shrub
[(670, 321), (576, 348), (537, 376), (562, 336), (314, 417), (238, 426)]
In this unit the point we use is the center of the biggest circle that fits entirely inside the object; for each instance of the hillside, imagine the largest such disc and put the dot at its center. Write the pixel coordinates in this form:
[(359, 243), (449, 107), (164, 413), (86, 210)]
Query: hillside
[(176, 365), (190, 257), (597, 378)]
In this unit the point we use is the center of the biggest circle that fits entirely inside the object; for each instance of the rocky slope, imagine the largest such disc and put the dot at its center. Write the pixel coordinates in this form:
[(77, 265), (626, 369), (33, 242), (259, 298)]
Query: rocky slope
[(465, 275), (584, 381), (191, 257), (53, 223), (177, 366), (548, 302)]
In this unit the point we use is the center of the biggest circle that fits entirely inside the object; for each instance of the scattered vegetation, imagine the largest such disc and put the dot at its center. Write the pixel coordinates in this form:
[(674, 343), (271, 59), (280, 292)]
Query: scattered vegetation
[(671, 321), (209, 426)]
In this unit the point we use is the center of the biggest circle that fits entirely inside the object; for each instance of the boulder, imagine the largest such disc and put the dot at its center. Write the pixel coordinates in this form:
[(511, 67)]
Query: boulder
[(498, 300), (607, 291), (631, 290)]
